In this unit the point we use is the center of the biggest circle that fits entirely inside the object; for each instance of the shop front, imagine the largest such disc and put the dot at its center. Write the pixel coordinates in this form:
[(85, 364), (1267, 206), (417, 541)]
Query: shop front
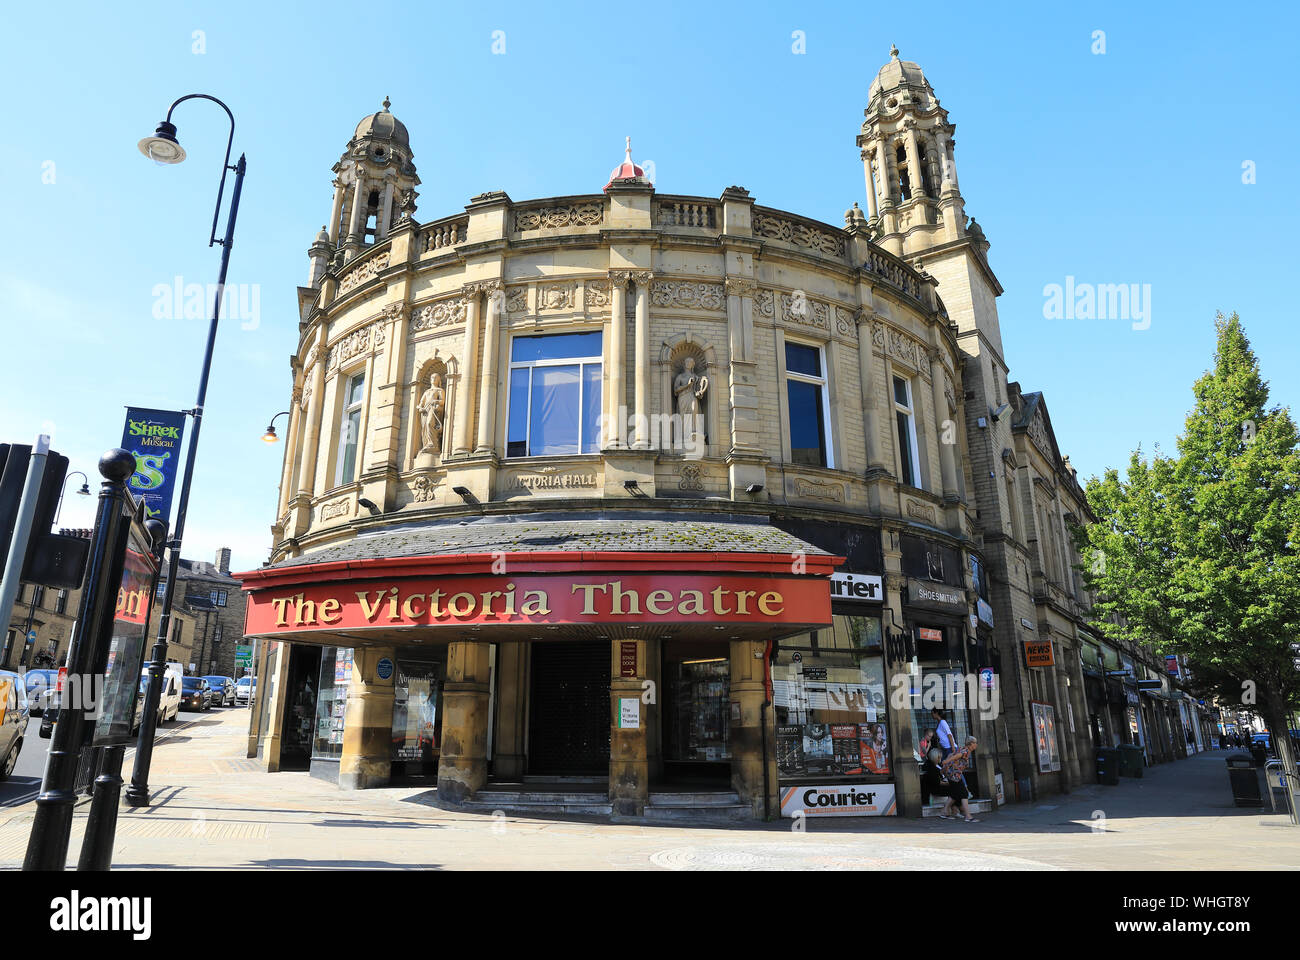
[(615, 671), (836, 739)]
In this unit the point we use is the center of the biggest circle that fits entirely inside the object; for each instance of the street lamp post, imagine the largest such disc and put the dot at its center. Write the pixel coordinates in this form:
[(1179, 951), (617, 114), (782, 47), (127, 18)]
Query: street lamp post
[(163, 147)]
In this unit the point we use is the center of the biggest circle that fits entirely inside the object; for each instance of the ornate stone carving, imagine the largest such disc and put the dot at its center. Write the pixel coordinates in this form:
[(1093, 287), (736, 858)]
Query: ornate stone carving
[(690, 477), (1038, 433), (846, 323), (819, 490), (689, 388), (921, 511), (366, 271), (423, 489), (898, 345), (439, 314), (394, 311), (517, 300), (354, 344), (556, 296), (568, 215), (798, 308), (799, 234), (765, 304), (740, 287), (335, 508), (640, 277), (596, 293), (311, 356), (687, 295)]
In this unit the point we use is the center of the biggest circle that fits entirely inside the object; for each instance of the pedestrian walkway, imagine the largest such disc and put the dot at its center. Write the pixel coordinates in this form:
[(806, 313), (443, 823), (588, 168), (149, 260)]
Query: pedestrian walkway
[(215, 809)]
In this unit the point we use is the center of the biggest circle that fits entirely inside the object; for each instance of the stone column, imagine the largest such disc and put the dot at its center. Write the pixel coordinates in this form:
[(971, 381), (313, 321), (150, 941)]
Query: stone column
[(629, 768), (336, 212), (914, 178), (311, 437), (616, 410), (275, 708), (288, 477), (642, 279), (368, 722), (947, 461), (747, 694), (385, 211), (462, 767), (358, 204), (870, 389), (743, 381), (488, 384), (466, 389), (871, 183)]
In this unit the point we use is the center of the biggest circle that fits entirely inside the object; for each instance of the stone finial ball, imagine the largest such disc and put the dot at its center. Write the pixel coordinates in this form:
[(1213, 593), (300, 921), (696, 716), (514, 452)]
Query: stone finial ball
[(117, 464)]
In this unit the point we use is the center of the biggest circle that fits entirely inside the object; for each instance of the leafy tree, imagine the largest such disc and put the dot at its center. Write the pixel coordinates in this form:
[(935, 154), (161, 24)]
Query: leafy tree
[(1199, 553)]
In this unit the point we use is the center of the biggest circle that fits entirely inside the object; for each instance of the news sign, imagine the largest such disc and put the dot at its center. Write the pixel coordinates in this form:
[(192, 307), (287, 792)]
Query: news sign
[(840, 800)]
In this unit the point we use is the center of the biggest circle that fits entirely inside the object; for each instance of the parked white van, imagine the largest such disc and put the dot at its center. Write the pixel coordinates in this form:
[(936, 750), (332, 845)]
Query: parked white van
[(169, 701)]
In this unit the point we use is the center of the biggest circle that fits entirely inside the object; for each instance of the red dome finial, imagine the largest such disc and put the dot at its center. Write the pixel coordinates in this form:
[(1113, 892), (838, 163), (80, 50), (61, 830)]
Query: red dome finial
[(627, 169)]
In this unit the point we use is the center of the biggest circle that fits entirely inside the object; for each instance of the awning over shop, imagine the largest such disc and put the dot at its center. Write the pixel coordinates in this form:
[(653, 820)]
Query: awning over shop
[(523, 578)]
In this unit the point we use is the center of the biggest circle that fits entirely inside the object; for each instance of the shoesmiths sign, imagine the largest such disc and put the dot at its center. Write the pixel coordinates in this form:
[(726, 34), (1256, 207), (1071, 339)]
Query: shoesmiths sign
[(547, 599)]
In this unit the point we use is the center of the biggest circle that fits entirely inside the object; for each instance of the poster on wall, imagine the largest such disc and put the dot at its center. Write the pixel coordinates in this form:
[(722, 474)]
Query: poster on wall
[(840, 800), (873, 747), (789, 749), (1049, 756)]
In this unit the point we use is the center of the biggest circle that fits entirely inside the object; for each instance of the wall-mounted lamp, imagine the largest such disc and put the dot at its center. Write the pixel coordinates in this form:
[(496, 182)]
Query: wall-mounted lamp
[(754, 488), (997, 414), (270, 436), (369, 505), (465, 494), (631, 487)]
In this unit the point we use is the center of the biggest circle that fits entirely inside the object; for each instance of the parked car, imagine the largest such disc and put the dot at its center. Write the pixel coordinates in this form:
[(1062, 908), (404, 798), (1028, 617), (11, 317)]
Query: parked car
[(37, 683), (244, 688), (13, 720), (223, 690), (196, 694)]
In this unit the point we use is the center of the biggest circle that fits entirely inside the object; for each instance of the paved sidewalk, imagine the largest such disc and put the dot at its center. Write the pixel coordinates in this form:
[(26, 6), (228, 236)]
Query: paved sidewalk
[(215, 809)]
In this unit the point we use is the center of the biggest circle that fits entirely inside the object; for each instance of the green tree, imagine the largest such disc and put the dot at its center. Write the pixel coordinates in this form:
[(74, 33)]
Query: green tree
[(1199, 553)]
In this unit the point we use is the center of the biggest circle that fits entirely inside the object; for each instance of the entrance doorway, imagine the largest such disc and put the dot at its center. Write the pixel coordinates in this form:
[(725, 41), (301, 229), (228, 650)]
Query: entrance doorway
[(568, 728), (417, 720), (697, 711), (299, 721)]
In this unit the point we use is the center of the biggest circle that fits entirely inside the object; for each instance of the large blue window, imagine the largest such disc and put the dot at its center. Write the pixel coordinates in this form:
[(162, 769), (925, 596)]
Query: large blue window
[(806, 399), (554, 402)]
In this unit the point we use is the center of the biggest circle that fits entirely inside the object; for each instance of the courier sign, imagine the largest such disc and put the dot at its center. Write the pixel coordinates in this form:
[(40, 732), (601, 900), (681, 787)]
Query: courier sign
[(529, 599)]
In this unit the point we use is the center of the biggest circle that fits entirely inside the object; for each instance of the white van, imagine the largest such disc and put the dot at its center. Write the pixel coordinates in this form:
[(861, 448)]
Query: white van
[(169, 701)]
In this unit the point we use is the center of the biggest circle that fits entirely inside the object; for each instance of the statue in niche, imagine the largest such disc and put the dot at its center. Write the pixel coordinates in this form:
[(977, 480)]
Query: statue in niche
[(689, 389), (432, 406)]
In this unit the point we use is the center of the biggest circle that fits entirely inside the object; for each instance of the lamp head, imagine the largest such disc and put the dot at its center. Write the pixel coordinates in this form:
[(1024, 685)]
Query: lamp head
[(270, 436), (163, 146)]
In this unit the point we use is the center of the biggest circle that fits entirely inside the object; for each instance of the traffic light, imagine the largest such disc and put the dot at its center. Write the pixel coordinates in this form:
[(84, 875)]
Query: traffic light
[(51, 560), (13, 474)]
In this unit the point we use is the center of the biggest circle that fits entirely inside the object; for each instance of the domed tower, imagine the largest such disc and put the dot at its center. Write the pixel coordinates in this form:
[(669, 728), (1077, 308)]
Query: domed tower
[(907, 154), (374, 186)]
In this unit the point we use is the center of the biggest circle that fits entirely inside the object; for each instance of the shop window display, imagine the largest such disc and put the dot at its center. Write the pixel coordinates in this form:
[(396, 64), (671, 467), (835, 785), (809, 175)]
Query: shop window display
[(829, 697), (331, 702), (416, 718), (699, 720)]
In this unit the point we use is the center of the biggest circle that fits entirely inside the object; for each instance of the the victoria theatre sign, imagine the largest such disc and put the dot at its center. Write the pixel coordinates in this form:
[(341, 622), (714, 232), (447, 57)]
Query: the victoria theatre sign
[(526, 599)]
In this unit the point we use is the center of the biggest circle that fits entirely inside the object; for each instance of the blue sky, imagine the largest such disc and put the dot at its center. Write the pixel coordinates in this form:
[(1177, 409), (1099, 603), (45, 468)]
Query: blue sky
[(1122, 167)]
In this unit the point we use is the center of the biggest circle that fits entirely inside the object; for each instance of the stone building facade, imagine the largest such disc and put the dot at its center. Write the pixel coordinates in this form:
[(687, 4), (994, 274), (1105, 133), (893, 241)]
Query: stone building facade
[(648, 407)]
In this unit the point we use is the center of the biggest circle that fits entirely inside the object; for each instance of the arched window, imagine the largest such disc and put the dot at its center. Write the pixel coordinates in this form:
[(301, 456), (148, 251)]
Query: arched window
[(904, 180), (926, 159)]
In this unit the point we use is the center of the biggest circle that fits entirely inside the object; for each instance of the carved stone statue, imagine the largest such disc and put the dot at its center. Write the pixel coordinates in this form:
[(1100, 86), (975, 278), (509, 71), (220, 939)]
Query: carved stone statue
[(432, 405), (689, 389)]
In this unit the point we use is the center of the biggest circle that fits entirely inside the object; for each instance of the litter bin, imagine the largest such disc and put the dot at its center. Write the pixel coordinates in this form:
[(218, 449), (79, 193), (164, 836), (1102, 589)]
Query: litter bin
[(1108, 766), (1244, 779), (1132, 761)]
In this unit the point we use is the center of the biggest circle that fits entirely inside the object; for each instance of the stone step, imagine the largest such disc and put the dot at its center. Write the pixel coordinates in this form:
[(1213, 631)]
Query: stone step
[(533, 806), (699, 814), (976, 806), (499, 797), (703, 798)]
